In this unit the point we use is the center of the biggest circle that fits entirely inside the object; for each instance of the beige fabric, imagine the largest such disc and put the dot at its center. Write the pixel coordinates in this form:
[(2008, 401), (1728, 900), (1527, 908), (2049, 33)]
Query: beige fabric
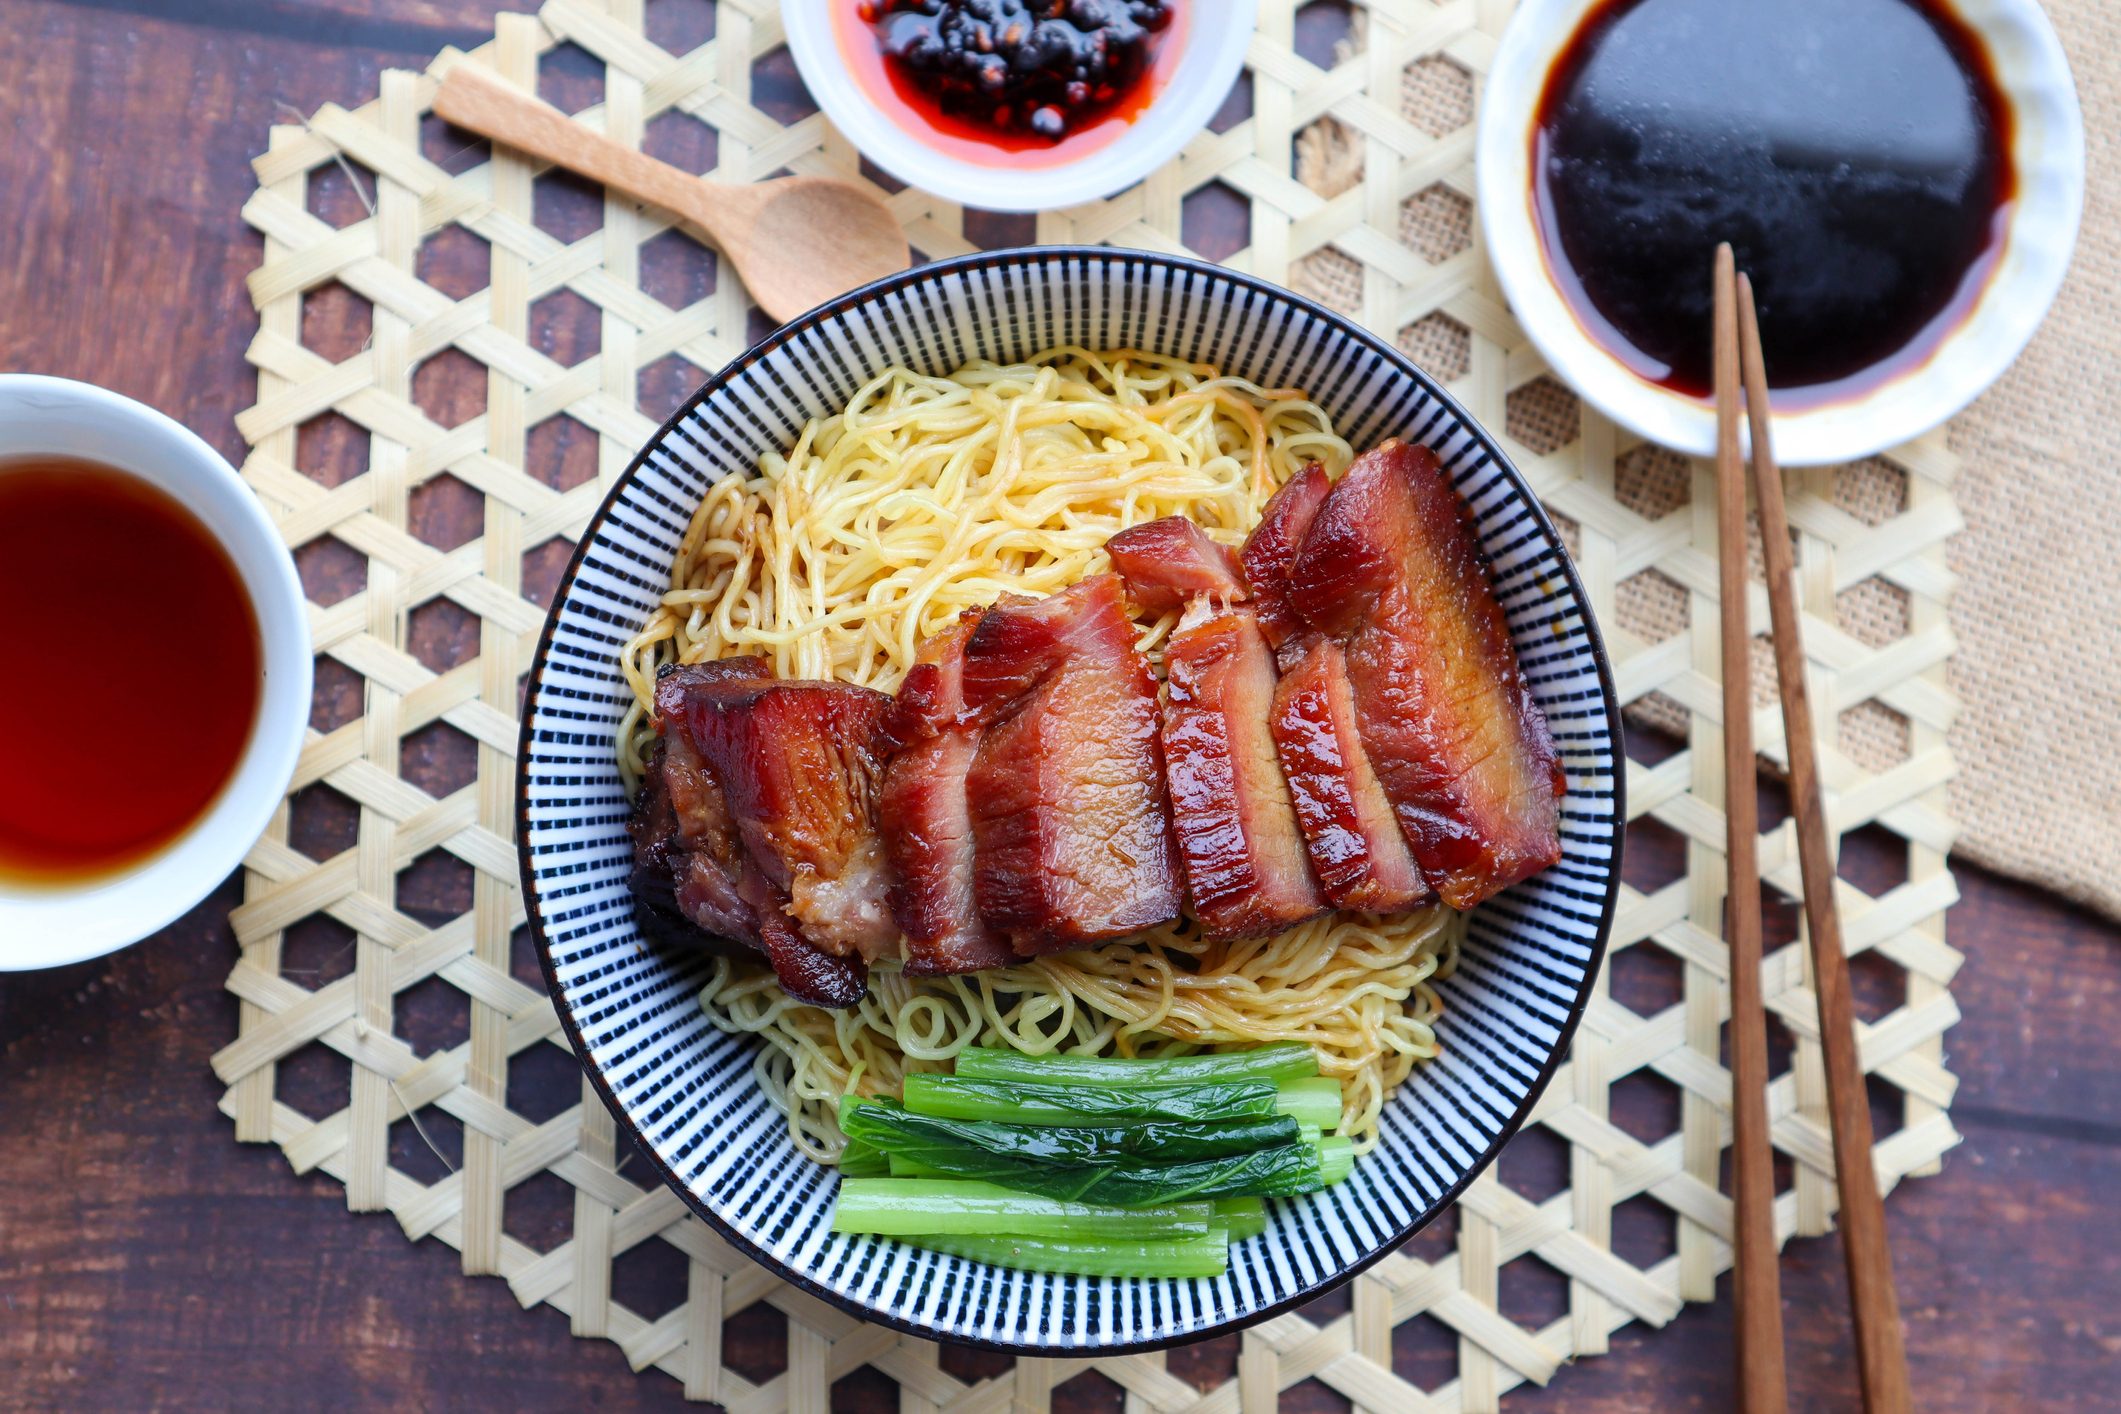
[(2039, 665)]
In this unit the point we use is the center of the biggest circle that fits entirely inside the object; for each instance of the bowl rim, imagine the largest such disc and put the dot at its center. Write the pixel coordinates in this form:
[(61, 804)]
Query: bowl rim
[(79, 921), (1022, 255), (2032, 71), (1172, 120)]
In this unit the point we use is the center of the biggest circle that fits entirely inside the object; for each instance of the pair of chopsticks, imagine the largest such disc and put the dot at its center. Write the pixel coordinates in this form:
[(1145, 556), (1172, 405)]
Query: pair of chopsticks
[(1880, 1354)]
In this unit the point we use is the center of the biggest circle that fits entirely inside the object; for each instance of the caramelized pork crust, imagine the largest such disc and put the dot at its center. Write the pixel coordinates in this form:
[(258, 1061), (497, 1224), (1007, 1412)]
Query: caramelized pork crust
[(1390, 568), (1247, 871), (1066, 790), (926, 816), (1167, 562)]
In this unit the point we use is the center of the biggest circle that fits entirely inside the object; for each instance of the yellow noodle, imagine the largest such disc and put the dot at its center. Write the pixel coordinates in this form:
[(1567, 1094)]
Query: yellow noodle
[(928, 496)]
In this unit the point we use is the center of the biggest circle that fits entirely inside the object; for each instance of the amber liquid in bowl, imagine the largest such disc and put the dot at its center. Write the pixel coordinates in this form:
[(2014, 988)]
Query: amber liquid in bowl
[(1855, 153), (131, 670)]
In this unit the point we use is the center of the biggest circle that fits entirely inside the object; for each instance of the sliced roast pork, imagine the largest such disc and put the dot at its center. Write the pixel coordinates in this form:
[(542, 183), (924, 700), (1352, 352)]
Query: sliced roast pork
[(1166, 562), (805, 971), (1271, 547), (1066, 791), (1246, 867), (926, 817), (799, 767), (1357, 851), (1389, 567), (694, 881), (705, 860)]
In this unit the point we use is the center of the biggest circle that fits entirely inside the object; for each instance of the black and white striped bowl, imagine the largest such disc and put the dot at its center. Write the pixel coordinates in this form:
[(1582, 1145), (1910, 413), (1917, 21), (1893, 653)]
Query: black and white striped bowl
[(686, 1091)]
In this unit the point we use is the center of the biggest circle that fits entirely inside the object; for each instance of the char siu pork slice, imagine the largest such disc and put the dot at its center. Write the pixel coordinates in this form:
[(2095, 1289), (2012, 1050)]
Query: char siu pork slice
[(926, 817), (1246, 867), (674, 889), (1390, 568), (805, 971), (1271, 547), (799, 767), (704, 860), (694, 880), (1356, 848), (658, 854), (1166, 562), (1073, 834)]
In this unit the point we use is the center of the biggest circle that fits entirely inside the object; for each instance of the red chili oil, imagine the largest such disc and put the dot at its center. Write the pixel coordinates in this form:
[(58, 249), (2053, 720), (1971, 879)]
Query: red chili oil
[(1042, 81)]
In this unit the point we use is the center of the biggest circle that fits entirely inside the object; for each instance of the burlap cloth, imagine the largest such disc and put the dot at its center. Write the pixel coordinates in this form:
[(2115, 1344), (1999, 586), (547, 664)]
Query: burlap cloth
[(2039, 664), (2038, 667)]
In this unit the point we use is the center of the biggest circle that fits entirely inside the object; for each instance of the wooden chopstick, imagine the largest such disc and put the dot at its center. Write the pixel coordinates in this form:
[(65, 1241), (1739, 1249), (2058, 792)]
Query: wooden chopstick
[(1880, 1352), (1763, 1384)]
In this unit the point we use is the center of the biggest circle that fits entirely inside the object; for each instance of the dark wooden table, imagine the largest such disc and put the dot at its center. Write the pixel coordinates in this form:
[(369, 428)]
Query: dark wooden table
[(148, 1261)]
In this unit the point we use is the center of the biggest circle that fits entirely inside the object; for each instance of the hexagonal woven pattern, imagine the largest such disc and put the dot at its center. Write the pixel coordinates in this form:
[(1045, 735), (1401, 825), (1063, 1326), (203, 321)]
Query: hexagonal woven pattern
[(442, 325)]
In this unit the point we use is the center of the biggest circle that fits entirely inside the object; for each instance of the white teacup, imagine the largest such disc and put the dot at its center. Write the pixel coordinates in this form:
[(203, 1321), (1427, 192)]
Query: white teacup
[(47, 924)]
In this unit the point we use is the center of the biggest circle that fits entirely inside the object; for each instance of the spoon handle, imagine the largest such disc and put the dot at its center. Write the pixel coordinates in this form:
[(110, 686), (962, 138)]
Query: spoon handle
[(475, 100)]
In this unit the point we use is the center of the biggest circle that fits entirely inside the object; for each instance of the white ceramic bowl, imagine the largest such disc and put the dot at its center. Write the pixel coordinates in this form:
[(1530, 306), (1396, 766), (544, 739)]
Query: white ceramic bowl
[(48, 926), (1213, 35), (2047, 150)]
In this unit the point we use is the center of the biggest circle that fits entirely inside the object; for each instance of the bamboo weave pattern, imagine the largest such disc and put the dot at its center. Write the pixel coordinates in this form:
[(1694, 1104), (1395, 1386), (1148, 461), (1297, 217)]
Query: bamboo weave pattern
[(1356, 169)]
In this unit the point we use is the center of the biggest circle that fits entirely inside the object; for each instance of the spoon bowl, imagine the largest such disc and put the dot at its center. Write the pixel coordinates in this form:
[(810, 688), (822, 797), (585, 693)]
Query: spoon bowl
[(795, 242), (812, 239)]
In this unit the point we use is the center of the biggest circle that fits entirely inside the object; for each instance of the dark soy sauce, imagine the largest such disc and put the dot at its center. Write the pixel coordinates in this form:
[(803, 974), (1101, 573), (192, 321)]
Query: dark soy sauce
[(1855, 153)]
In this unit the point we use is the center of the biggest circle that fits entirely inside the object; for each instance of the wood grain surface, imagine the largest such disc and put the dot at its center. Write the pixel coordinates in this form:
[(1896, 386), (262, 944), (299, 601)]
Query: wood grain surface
[(146, 1260)]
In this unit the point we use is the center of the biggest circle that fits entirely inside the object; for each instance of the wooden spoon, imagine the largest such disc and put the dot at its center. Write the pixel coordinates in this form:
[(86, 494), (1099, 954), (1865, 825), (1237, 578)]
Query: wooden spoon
[(795, 242)]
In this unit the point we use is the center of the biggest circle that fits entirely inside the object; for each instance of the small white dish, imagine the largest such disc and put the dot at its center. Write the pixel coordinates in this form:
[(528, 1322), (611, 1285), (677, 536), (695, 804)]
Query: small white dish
[(2047, 151), (1212, 35), (48, 926)]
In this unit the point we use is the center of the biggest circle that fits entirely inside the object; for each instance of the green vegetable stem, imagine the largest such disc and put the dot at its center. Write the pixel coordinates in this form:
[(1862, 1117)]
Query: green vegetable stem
[(1286, 1060), (1313, 1101), (918, 1207), (1185, 1257)]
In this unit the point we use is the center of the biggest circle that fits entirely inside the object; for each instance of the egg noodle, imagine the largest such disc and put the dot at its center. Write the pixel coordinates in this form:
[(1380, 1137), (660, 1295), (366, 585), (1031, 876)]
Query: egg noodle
[(928, 496)]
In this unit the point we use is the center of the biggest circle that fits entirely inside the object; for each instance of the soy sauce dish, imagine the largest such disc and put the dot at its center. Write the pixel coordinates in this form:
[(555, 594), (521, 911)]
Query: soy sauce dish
[(1902, 180), (1019, 105)]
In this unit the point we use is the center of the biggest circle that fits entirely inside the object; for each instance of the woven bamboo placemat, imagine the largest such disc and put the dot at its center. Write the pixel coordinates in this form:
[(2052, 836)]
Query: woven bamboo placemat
[(1356, 171)]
